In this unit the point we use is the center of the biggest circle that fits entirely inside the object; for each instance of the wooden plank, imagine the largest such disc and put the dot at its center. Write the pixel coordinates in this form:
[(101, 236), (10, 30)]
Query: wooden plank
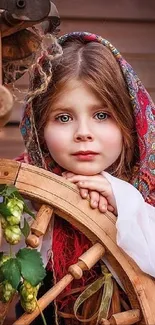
[(111, 9), (128, 37), (17, 110), (152, 94), (145, 71), (16, 114), (19, 91), (12, 151), (11, 142), (23, 81)]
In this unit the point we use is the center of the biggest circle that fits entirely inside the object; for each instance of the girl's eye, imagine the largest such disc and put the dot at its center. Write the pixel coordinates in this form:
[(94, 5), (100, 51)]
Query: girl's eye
[(63, 118), (101, 116)]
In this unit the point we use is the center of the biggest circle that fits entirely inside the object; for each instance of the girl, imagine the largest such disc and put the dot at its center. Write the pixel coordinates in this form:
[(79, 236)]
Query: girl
[(94, 125)]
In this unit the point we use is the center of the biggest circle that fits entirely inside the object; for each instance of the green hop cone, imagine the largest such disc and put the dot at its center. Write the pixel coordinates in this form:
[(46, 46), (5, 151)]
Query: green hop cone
[(37, 288), (12, 234), (3, 222), (13, 220), (8, 291), (28, 295), (4, 259), (29, 306), (16, 207), (28, 292)]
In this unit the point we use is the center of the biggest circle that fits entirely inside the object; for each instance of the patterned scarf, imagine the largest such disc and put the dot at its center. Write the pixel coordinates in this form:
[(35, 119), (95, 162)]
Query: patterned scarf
[(144, 112)]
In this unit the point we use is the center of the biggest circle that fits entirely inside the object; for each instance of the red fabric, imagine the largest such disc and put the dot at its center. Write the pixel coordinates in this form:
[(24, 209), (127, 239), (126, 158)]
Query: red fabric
[(68, 245)]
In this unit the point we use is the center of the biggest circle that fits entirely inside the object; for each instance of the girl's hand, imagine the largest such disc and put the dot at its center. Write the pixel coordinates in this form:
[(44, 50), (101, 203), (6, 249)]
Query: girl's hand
[(97, 188)]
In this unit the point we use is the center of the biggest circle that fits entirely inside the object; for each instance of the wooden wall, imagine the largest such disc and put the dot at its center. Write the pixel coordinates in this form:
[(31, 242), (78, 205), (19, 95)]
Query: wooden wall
[(128, 24)]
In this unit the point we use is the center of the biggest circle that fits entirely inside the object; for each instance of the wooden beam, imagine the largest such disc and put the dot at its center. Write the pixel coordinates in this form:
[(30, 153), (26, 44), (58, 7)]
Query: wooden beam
[(111, 9)]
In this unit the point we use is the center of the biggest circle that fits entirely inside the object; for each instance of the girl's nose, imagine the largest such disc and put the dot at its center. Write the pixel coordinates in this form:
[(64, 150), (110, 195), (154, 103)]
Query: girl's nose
[(83, 134), (83, 137)]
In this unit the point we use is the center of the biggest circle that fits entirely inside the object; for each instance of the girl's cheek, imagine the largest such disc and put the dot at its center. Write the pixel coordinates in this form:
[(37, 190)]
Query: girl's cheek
[(54, 144)]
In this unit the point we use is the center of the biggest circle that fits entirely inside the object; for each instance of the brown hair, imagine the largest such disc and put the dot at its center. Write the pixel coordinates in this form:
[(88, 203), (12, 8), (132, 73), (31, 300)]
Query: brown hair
[(96, 66)]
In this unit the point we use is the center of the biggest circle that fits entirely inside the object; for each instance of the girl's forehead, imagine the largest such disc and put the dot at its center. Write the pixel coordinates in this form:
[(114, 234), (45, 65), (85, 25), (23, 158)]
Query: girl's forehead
[(76, 90), (63, 88), (73, 84)]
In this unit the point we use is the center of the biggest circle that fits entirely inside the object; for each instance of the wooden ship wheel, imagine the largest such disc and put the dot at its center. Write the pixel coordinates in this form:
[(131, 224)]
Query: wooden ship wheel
[(60, 197)]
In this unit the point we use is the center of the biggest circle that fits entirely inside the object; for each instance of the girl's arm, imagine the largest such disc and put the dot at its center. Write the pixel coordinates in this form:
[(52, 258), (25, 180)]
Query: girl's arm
[(135, 218), (135, 224), (97, 188)]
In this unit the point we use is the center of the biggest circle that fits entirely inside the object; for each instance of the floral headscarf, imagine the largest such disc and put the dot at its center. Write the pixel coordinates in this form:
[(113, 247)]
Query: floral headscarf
[(144, 112)]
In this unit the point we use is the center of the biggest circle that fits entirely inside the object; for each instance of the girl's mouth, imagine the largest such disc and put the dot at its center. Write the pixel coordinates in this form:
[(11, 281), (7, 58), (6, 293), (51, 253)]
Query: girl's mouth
[(85, 155)]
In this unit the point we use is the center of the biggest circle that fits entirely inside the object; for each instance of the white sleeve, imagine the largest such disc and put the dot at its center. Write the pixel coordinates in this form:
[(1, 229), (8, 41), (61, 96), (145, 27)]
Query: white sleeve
[(135, 224)]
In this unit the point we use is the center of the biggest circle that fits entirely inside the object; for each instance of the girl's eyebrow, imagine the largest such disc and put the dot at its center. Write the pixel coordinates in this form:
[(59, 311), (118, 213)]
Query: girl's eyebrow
[(100, 107), (92, 108), (60, 108)]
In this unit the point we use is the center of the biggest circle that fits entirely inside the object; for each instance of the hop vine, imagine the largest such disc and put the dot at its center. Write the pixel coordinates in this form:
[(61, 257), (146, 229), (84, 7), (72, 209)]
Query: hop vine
[(23, 272)]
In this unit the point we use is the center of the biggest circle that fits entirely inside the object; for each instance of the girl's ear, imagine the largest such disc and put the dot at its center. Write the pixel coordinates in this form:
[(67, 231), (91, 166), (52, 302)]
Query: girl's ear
[(6, 103)]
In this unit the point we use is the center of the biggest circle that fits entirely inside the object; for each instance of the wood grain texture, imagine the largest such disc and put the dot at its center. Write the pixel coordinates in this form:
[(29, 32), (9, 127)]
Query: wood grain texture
[(126, 9), (11, 142), (128, 37)]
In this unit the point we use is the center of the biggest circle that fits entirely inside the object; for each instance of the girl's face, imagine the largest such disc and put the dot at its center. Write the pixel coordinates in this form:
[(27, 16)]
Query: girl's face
[(80, 134)]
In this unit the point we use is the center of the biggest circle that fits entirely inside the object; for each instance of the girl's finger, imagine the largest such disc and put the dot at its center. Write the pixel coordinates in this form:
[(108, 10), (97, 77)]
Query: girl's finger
[(103, 204), (94, 199), (67, 174), (103, 187), (98, 184), (110, 208), (84, 193), (77, 178)]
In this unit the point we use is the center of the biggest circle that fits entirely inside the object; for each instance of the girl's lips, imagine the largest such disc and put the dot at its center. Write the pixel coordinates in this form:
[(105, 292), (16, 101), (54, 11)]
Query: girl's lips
[(85, 155), (87, 152)]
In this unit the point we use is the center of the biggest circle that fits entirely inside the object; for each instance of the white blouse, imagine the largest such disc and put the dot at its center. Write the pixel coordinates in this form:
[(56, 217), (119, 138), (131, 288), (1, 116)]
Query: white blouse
[(135, 224)]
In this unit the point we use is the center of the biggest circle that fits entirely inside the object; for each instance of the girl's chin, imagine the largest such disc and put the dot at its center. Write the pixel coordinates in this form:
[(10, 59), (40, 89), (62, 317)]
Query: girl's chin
[(86, 172)]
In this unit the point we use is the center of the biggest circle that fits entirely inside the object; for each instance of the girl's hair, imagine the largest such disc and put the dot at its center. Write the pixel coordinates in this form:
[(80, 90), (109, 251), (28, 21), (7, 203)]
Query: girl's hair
[(95, 65)]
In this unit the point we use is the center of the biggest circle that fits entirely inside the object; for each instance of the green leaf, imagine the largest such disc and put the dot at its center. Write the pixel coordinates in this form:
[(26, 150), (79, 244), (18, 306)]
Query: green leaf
[(26, 229), (32, 268), (4, 211), (2, 188), (10, 189), (27, 210), (11, 272)]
